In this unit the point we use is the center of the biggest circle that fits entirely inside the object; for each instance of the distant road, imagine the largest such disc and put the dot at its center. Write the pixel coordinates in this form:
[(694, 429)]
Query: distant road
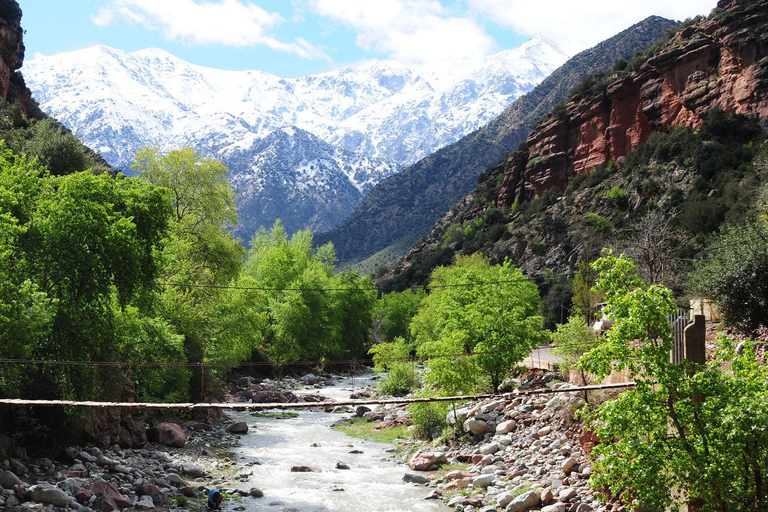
[(540, 359)]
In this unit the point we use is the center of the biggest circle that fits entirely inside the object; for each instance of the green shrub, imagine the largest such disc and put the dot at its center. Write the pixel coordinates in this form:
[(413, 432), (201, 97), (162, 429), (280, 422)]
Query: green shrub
[(428, 418)]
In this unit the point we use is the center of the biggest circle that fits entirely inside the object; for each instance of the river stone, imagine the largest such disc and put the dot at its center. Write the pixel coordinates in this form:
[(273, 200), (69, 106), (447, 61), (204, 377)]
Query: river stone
[(483, 481), (83, 496), (109, 498), (8, 479), (175, 479), (566, 493), (544, 431), (415, 479), (568, 464), (360, 410), (422, 461), (341, 465), (582, 507), (44, 493), (489, 449), (193, 470), (169, 434), (255, 493), (505, 427), (302, 469), (145, 503), (505, 498), (476, 427), (555, 507), (148, 489), (240, 427), (525, 501)]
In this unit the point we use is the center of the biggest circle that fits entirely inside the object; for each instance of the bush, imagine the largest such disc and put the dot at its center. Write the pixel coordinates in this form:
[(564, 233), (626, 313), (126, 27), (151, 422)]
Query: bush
[(734, 276), (428, 418)]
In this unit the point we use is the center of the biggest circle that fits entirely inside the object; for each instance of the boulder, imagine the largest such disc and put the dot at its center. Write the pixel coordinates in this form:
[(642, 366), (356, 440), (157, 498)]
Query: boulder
[(193, 470), (475, 426), (415, 479), (109, 498), (506, 426), (255, 493), (169, 434), (145, 503), (342, 465), (525, 501), (8, 479), (240, 427), (302, 469), (483, 481), (48, 494), (147, 489), (422, 461), (360, 410)]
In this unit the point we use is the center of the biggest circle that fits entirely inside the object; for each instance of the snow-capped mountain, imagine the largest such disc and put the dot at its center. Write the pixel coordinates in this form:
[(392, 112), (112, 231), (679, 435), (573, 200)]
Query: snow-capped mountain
[(305, 149)]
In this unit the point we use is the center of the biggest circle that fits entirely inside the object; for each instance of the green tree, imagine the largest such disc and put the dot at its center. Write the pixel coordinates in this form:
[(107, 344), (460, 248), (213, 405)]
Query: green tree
[(394, 312), (688, 432), (733, 275), (570, 341), (585, 297), (309, 312), (478, 321), (201, 256), (56, 148)]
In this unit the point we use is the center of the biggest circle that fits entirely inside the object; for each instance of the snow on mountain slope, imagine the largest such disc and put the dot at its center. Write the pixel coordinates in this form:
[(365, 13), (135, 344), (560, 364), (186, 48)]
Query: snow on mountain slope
[(365, 122)]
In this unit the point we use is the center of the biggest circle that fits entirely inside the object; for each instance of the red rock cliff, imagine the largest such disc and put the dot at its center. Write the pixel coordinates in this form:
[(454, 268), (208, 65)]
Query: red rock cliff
[(720, 63)]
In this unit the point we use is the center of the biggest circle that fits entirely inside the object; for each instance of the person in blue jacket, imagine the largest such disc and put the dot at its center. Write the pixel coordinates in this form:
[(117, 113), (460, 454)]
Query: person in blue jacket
[(214, 499)]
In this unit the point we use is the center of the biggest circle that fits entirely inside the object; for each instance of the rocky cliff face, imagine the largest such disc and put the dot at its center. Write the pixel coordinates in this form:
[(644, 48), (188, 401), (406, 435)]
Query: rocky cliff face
[(720, 63), (11, 43)]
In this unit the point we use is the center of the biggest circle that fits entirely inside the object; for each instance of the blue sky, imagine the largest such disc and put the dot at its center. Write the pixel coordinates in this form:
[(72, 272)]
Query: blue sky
[(291, 38)]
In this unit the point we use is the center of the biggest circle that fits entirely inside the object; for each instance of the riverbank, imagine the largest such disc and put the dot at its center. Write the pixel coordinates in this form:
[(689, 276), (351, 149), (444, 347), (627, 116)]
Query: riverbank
[(515, 454)]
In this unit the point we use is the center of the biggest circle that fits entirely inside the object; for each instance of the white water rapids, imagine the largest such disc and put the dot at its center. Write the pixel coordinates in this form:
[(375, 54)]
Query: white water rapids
[(372, 484)]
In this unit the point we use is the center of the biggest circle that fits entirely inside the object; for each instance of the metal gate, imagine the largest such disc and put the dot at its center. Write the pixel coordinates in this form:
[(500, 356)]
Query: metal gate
[(678, 321)]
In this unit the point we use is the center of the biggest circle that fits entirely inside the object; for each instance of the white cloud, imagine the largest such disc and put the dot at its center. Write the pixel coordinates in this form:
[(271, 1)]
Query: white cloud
[(235, 23), (409, 30), (575, 26)]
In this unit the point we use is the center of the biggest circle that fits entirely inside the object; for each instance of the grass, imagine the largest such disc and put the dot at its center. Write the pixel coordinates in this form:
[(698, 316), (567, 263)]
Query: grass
[(363, 429), (278, 415)]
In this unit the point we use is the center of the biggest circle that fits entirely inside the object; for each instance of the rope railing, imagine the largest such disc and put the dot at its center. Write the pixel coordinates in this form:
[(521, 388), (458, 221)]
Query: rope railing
[(307, 405)]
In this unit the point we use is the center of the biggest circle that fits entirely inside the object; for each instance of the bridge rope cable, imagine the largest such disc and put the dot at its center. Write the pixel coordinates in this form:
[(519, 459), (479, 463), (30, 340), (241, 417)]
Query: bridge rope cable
[(306, 405)]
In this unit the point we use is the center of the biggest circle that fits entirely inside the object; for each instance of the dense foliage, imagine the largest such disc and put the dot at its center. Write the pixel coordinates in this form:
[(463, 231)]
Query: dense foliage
[(734, 275), (478, 321), (96, 268), (693, 428)]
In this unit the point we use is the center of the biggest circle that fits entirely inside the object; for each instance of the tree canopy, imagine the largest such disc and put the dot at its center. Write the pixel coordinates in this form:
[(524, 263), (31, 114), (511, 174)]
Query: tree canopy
[(476, 323)]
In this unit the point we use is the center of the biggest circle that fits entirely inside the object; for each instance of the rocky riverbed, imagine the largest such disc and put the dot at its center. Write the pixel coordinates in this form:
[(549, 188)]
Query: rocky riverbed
[(518, 453)]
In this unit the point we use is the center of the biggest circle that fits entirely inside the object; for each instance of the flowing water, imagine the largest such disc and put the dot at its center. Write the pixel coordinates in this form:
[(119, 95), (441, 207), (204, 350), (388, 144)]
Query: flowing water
[(373, 482)]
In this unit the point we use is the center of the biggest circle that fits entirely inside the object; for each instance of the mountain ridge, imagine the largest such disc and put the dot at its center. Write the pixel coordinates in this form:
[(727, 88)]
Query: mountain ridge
[(391, 218), (380, 115)]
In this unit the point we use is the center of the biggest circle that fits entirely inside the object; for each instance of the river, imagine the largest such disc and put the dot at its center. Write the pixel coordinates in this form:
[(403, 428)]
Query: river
[(273, 446)]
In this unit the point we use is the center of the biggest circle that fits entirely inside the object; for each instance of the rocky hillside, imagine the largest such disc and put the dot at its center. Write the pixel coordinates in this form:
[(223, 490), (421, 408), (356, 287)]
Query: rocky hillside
[(402, 208), (721, 63), (663, 150)]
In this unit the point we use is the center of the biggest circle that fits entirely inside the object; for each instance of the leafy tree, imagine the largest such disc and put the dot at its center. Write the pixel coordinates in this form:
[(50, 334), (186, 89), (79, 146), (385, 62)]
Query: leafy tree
[(585, 297), (394, 358), (56, 148), (394, 312), (572, 340), (688, 432), (309, 312), (733, 275), (478, 320), (201, 255)]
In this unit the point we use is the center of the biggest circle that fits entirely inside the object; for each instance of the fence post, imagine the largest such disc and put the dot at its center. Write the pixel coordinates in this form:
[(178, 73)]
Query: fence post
[(695, 338)]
